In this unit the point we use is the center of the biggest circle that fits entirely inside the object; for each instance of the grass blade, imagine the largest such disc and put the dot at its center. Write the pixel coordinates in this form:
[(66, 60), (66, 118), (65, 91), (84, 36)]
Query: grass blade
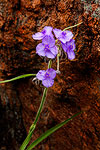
[(50, 131)]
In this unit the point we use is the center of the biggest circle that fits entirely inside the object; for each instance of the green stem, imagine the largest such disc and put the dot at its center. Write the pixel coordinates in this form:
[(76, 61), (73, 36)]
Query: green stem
[(49, 64), (19, 77), (73, 26), (58, 55), (41, 104), (39, 110), (32, 128), (50, 131)]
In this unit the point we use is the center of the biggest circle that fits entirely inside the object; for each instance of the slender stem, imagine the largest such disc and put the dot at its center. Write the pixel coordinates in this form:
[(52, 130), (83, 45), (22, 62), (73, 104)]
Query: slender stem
[(49, 64), (73, 26), (58, 62), (39, 110), (41, 104), (50, 131), (32, 128), (58, 55), (19, 77)]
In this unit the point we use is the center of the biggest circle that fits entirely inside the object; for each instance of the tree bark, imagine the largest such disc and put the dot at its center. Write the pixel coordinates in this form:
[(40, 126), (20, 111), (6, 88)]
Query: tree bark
[(76, 88)]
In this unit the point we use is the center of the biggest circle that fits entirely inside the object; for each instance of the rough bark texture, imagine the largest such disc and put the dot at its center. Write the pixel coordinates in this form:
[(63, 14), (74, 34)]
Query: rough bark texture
[(76, 88)]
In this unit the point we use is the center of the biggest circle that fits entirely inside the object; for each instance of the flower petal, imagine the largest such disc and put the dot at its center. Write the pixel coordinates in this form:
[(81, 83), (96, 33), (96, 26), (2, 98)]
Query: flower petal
[(40, 49), (49, 54), (57, 32), (62, 39), (48, 82), (71, 55), (71, 44), (51, 72), (54, 50), (47, 40), (48, 30), (69, 35), (40, 75), (66, 36), (38, 36), (63, 46)]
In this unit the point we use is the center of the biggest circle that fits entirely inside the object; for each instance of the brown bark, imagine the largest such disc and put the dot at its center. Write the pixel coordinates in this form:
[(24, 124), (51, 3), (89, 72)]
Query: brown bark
[(76, 88)]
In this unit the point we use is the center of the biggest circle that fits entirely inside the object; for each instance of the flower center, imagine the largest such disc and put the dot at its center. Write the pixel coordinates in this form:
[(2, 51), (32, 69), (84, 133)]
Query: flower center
[(46, 47), (63, 33), (47, 75), (71, 46), (43, 31)]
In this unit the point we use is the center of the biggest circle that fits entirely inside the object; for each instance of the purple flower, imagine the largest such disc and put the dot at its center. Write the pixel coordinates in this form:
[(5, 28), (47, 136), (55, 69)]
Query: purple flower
[(69, 47), (63, 36), (40, 35), (47, 47), (47, 77)]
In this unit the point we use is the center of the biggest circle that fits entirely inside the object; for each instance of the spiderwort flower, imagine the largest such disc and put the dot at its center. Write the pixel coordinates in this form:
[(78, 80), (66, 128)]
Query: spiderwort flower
[(47, 77), (63, 36), (47, 47), (40, 35), (69, 47)]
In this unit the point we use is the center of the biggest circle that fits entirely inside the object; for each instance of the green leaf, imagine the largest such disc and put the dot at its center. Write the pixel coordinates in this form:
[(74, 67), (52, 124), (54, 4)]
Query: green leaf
[(50, 131), (19, 77)]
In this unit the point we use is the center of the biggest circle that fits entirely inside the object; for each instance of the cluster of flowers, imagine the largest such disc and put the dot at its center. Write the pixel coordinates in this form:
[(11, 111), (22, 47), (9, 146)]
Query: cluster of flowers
[(49, 49)]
